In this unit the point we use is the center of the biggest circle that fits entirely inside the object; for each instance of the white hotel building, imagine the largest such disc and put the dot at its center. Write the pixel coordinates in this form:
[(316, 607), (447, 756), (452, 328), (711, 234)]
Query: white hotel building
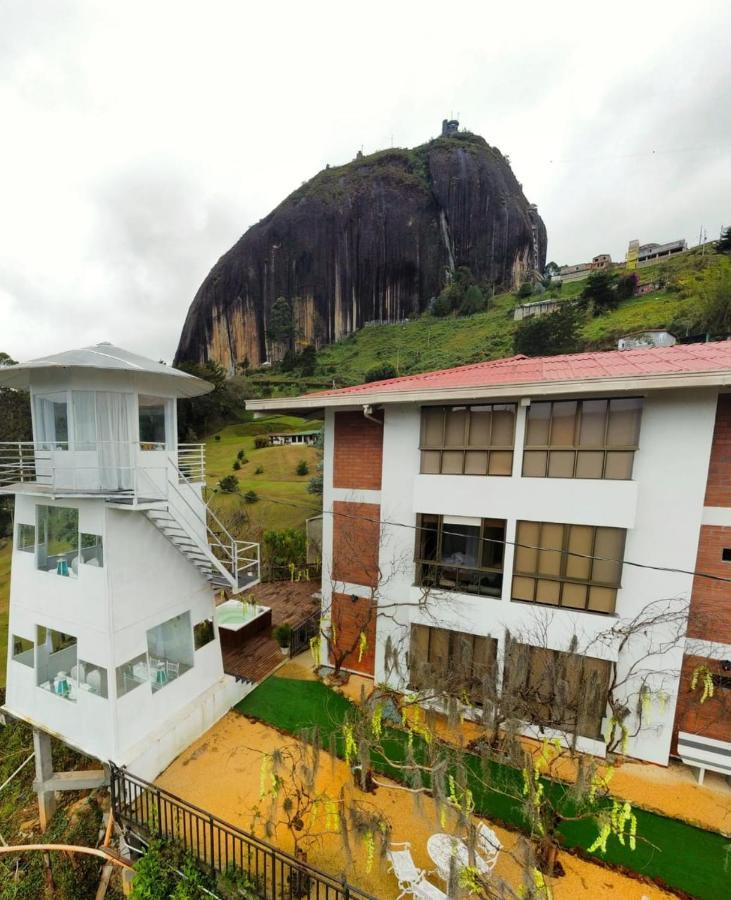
[(113, 646), (451, 479)]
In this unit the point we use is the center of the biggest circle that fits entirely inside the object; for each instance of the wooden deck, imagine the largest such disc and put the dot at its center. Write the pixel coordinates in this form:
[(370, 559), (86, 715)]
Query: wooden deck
[(291, 603)]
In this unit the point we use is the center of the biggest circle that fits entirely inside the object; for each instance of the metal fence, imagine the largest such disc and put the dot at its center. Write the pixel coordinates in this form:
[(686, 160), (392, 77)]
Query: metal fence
[(302, 633), (150, 811)]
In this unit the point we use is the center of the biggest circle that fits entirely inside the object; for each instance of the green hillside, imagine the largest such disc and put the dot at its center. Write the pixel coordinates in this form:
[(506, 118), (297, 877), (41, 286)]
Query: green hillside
[(431, 343)]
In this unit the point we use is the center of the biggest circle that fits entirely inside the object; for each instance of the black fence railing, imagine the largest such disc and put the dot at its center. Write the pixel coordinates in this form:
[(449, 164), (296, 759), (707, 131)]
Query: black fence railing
[(303, 633), (150, 811)]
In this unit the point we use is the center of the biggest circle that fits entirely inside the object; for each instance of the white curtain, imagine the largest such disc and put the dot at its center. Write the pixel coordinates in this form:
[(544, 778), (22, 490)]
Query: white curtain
[(45, 422), (114, 435), (84, 407)]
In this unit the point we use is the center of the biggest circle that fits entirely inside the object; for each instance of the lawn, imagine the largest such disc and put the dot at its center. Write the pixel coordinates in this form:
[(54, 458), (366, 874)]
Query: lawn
[(686, 858), (6, 552), (284, 500)]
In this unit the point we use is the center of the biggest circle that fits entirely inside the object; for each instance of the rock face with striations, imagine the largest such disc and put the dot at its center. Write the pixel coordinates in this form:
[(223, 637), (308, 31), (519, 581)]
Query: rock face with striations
[(375, 239)]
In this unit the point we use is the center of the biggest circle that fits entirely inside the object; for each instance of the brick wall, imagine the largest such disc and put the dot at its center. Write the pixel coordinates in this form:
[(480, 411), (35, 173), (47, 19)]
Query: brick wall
[(350, 618), (356, 540), (710, 605), (358, 453), (712, 718), (718, 488)]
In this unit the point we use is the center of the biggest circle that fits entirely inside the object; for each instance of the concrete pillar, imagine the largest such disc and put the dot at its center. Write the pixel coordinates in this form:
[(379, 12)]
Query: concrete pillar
[(44, 773)]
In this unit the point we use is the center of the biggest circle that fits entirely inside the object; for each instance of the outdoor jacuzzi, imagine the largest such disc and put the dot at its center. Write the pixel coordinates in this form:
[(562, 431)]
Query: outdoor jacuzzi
[(239, 621)]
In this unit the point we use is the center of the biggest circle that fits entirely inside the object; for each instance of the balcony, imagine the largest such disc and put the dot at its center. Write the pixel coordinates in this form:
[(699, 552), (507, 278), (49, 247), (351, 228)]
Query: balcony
[(135, 471)]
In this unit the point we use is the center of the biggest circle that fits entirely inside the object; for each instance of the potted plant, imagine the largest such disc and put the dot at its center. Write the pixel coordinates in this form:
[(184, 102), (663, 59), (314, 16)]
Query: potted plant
[(282, 634)]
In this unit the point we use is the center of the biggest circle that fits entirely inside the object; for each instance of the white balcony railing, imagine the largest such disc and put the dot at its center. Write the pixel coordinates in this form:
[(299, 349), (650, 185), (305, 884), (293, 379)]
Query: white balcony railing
[(192, 461)]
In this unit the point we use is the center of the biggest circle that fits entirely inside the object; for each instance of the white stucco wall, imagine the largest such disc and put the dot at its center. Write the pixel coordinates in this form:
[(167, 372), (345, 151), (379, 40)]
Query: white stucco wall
[(661, 509)]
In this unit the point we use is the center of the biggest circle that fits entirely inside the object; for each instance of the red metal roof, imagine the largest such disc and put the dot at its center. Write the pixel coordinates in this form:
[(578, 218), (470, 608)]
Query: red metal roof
[(682, 359)]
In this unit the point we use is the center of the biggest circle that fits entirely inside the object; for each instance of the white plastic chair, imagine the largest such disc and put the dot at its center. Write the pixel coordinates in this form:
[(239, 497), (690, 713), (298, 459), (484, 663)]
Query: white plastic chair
[(488, 849), (425, 890), (404, 868)]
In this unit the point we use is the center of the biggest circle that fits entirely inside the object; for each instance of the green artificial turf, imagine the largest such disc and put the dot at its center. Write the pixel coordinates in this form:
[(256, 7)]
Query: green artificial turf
[(684, 857)]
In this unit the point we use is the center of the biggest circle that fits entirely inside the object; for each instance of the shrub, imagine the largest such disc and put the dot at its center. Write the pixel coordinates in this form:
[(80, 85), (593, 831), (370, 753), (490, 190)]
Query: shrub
[(380, 373), (261, 441), (557, 332), (236, 465), (241, 454), (282, 634), (284, 548), (525, 290), (601, 292), (251, 497), (303, 468), (217, 437), (229, 484), (259, 470), (474, 301), (315, 485), (724, 242), (627, 285)]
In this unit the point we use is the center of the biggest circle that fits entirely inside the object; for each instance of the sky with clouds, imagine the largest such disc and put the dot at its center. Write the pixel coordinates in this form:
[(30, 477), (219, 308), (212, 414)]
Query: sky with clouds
[(139, 140)]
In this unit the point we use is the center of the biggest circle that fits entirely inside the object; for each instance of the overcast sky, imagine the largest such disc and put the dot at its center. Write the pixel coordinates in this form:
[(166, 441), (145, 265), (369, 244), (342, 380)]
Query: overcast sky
[(139, 140)]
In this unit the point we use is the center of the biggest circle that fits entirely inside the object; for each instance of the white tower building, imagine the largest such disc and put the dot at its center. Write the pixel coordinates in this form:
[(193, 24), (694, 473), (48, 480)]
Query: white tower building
[(116, 560)]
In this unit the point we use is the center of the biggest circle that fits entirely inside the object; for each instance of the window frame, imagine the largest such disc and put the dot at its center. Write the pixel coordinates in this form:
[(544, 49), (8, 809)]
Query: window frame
[(423, 565), (575, 446), (488, 448), (562, 578)]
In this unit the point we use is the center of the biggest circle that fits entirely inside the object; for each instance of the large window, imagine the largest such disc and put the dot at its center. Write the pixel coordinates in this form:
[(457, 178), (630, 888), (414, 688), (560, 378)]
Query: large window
[(58, 539), (582, 438), (576, 566), (51, 421), (153, 422), (26, 540), (467, 440), (170, 650), (132, 674), (460, 554), (23, 651), (552, 689), (92, 549), (56, 662), (452, 662)]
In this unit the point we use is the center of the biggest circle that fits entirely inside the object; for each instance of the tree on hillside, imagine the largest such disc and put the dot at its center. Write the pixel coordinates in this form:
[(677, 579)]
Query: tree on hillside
[(557, 332), (714, 293), (551, 269), (473, 301), (280, 329), (200, 416), (380, 373), (724, 242), (601, 291)]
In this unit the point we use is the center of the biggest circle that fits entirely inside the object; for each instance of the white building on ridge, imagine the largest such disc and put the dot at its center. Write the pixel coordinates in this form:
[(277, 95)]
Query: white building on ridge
[(116, 560)]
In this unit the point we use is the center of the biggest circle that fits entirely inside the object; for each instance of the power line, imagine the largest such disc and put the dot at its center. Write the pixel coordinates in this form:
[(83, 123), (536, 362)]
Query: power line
[(621, 562)]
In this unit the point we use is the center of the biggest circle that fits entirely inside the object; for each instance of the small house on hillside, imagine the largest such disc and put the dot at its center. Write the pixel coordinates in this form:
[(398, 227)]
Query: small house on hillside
[(640, 340), (283, 438), (539, 308)]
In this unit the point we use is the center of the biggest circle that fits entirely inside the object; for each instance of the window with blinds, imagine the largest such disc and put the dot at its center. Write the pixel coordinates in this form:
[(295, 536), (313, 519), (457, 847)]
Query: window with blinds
[(452, 662), (553, 689), (582, 438), (575, 566), (467, 440)]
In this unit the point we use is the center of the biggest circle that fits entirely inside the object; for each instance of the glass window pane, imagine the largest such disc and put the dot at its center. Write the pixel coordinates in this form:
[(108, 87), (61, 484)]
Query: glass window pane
[(58, 539), (92, 679), (619, 465), (132, 674), (493, 543), (581, 538), (610, 545), (430, 462), (170, 650), (547, 592), (428, 536), (602, 599), (624, 422), (527, 539), (475, 462), (152, 422), (523, 588), (534, 463), (56, 662), (561, 464), (23, 651), (452, 462), (480, 417), (574, 595), (563, 423), (460, 544), (593, 418), (51, 421), (551, 552), (26, 540), (203, 633), (432, 425), (92, 550), (84, 407), (503, 425), (539, 416), (501, 462), (589, 463), (456, 427)]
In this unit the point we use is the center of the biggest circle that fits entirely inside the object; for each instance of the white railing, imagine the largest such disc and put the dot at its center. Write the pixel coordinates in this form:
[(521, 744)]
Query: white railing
[(17, 462), (192, 461)]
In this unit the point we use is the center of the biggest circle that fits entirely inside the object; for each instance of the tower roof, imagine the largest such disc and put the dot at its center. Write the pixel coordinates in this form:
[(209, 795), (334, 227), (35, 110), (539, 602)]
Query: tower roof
[(106, 357)]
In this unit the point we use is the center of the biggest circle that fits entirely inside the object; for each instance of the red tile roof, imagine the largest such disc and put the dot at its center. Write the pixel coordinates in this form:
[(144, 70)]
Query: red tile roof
[(682, 359)]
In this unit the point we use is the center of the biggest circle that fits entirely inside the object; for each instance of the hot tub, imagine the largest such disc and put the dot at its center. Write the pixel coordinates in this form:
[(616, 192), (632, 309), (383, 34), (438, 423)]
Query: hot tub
[(238, 621)]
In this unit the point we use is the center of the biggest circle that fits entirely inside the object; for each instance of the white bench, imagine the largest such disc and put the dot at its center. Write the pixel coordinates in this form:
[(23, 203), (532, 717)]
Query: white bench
[(703, 753)]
